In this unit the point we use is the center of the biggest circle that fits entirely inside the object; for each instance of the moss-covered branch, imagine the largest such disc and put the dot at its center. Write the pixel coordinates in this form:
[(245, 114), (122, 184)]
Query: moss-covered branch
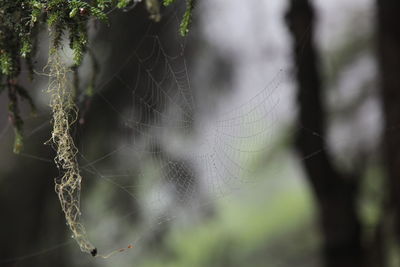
[(19, 24)]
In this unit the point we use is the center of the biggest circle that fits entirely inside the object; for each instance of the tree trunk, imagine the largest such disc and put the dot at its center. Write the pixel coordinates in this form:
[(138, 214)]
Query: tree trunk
[(334, 192), (389, 66)]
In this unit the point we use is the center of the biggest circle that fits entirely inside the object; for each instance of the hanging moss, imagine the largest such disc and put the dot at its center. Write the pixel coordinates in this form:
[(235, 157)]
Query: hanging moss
[(19, 23)]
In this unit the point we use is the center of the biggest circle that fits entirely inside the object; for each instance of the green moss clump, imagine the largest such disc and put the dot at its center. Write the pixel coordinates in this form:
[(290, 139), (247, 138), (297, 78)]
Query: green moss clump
[(20, 21), (19, 25)]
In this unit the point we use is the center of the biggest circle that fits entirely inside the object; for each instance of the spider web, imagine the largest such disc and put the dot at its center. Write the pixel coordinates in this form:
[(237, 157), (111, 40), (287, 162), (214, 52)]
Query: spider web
[(178, 145), (179, 153), (176, 154)]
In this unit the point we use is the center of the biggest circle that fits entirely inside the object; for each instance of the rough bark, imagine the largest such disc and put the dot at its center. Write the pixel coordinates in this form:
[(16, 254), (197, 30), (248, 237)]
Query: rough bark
[(335, 192)]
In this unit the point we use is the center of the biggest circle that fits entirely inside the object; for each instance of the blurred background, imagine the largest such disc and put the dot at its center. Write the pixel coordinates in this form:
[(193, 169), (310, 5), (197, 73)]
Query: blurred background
[(267, 137)]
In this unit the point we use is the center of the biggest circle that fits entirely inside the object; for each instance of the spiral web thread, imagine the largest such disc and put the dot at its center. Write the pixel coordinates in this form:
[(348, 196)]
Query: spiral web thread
[(213, 156), (68, 186)]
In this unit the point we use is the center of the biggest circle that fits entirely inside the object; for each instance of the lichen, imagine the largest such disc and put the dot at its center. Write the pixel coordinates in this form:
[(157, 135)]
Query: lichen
[(20, 21), (19, 24), (68, 186)]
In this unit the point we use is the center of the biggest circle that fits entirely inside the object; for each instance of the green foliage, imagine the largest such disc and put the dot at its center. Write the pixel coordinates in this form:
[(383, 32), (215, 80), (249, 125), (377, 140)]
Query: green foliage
[(168, 2), (123, 3), (19, 24), (187, 16), (19, 21), (6, 63)]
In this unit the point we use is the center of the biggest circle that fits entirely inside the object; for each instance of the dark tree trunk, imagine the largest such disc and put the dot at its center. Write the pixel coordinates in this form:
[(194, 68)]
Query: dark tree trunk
[(389, 66), (334, 191)]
